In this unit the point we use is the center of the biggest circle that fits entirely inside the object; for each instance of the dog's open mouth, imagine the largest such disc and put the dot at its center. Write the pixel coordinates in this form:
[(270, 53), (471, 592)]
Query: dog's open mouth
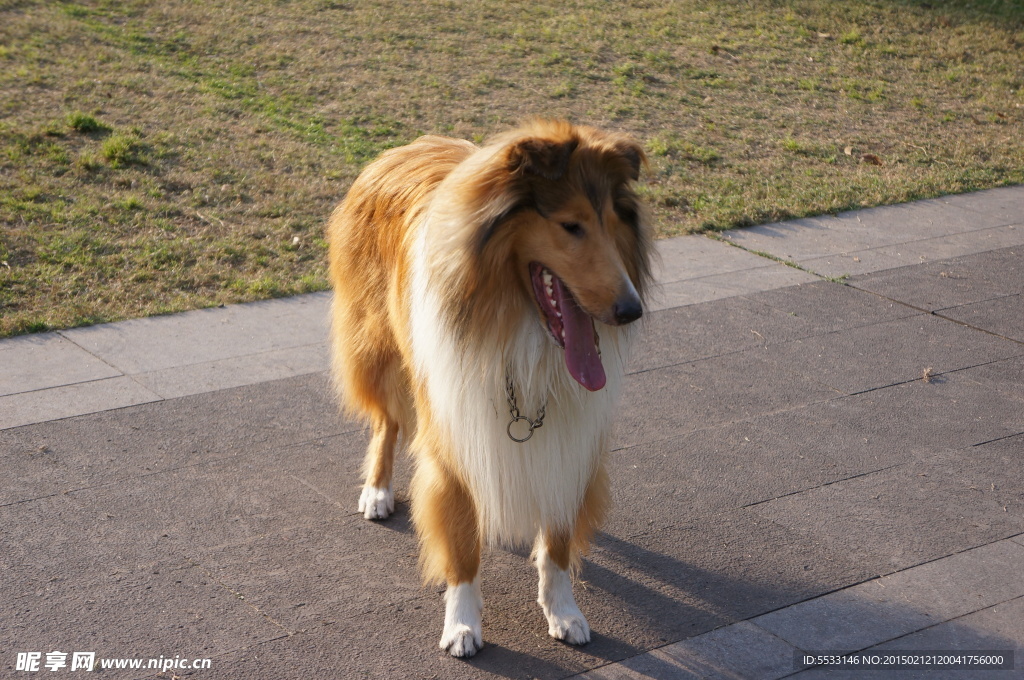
[(570, 326)]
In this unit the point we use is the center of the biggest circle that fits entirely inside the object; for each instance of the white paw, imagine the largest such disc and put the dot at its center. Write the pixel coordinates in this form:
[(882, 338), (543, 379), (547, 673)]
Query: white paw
[(569, 627), (376, 503), (565, 620), (461, 641), (464, 606)]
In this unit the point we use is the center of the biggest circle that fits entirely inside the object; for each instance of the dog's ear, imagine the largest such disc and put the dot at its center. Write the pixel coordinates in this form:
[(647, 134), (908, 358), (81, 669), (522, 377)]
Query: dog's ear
[(544, 157), (633, 154)]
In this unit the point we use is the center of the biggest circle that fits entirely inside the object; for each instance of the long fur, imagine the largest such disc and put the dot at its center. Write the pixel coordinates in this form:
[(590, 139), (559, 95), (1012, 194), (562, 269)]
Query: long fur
[(433, 308)]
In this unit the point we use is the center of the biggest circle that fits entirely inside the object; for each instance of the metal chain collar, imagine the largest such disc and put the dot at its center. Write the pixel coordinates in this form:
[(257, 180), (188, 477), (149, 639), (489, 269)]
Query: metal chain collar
[(513, 410)]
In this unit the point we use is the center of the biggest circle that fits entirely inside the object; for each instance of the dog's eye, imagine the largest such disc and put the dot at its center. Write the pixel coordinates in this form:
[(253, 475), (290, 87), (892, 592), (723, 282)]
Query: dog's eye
[(573, 228)]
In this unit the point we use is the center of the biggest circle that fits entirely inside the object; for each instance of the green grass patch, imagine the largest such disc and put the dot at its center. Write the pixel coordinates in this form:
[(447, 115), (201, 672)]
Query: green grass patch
[(146, 167), (83, 122), (851, 37), (122, 150)]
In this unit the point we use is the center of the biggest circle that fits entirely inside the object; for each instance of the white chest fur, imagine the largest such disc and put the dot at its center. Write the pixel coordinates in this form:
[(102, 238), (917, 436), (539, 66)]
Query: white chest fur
[(519, 488)]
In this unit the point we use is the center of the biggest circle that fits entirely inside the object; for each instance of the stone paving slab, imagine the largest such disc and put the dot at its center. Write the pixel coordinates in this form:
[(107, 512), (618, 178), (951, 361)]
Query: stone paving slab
[(832, 306), (850, 361), (695, 332), (35, 362), (1003, 316), (974, 495), (1000, 627), (177, 606), (741, 650), (1006, 376), (143, 345), (688, 258), (112, 446), (872, 228), (99, 368), (952, 412), (76, 584), (733, 564), (1003, 203), (708, 288), (926, 250), (709, 392), (229, 372), (693, 269), (950, 283), (960, 584), (806, 447), (969, 600), (997, 628), (76, 399), (903, 602), (836, 622)]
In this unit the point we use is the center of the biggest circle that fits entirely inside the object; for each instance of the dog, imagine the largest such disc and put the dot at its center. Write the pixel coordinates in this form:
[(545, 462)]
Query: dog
[(483, 298)]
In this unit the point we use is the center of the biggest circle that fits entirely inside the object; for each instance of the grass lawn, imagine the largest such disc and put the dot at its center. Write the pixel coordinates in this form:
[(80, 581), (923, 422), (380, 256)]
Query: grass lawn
[(161, 156)]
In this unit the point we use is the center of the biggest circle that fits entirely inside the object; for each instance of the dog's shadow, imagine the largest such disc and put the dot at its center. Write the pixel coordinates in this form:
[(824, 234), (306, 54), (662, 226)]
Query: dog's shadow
[(398, 521), (636, 600), (510, 663)]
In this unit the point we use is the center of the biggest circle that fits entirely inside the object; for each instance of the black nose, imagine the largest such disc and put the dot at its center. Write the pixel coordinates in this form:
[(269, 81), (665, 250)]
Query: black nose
[(627, 309)]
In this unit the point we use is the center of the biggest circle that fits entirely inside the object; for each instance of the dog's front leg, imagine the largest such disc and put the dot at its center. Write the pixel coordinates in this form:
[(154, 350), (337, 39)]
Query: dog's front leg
[(446, 521), (464, 606), (565, 620)]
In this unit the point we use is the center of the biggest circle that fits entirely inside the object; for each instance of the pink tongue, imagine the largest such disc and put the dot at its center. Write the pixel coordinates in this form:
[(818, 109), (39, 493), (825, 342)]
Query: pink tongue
[(581, 357)]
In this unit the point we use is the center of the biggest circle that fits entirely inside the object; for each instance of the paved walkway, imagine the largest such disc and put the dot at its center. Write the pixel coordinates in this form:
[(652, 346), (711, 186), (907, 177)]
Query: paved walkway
[(821, 449)]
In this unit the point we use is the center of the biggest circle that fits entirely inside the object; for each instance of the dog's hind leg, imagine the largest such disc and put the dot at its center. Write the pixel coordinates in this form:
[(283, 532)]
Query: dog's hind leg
[(377, 500), (554, 560), (384, 400), (445, 519)]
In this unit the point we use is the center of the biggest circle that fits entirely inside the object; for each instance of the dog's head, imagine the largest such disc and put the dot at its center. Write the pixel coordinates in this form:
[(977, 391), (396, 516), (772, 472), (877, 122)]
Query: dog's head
[(574, 232)]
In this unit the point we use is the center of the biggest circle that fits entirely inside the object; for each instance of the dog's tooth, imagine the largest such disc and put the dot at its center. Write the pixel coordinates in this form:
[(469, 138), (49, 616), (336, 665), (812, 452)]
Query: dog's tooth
[(558, 314)]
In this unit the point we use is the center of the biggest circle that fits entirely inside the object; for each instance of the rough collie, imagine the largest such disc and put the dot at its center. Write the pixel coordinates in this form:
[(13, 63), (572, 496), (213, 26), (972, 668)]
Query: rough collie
[(482, 297)]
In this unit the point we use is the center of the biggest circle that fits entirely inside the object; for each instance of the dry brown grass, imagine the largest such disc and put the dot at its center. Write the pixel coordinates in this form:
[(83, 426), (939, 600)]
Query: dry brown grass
[(163, 156)]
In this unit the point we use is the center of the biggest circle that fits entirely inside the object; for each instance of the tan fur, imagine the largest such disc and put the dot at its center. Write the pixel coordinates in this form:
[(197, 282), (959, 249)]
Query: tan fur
[(445, 519), (480, 241), (368, 239)]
